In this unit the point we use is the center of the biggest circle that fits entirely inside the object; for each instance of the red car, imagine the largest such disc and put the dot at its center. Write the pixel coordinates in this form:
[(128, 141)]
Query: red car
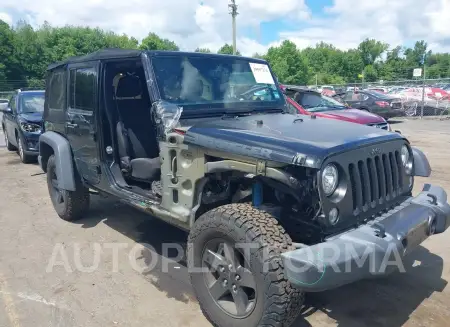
[(311, 102)]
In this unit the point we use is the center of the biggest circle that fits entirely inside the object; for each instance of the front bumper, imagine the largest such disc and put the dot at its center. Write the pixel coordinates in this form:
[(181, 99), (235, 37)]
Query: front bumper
[(31, 141), (374, 249)]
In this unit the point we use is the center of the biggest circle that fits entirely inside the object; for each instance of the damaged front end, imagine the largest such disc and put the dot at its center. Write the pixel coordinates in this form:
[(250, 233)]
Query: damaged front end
[(166, 116)]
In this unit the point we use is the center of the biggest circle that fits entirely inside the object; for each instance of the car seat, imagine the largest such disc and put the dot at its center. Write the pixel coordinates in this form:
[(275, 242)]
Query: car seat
[(137, 145)]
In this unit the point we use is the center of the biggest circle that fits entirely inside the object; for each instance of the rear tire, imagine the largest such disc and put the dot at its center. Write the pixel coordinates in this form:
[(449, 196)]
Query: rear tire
[(9, 146), (69, 205), (270, 299)]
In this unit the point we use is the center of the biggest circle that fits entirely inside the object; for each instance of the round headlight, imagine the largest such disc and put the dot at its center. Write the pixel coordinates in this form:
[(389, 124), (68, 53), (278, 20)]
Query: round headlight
[(405, 155), (329, 179)]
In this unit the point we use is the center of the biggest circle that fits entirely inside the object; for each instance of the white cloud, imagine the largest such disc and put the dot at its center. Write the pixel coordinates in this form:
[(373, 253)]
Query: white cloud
[(6, 18), (393, 21), (207, 23), (190, 23)]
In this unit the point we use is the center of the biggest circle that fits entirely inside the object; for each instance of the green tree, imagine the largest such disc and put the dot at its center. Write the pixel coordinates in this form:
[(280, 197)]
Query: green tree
[(415, 56), (288, 63), (371, 50), (204, 50), (9, 66), (227, 49), (370, 73), (154, 42)]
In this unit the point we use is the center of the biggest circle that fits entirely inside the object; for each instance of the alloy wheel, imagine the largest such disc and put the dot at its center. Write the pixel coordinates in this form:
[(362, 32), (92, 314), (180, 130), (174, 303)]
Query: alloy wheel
[(231, 285)]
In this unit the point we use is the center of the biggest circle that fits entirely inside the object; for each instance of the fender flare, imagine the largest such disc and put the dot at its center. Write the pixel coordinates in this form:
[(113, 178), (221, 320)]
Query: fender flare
[(421, 164), (63, 158)]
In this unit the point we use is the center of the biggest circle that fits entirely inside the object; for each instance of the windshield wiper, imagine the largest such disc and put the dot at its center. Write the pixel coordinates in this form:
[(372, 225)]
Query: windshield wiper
[(235, 115)]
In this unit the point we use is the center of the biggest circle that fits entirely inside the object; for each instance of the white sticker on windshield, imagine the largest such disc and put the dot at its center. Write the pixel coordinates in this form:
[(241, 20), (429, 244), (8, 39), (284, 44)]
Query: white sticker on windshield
[(261, 73)]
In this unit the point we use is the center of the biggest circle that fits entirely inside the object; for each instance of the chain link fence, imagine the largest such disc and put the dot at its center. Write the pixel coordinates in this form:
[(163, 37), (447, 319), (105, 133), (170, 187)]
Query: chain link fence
[(418, 97)]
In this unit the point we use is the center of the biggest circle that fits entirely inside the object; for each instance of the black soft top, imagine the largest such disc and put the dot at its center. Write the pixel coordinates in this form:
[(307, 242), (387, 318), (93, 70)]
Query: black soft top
[(117, 53), (98, 55)]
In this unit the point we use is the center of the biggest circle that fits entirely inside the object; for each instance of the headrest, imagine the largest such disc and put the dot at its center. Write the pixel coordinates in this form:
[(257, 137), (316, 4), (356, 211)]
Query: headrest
[(129, 86)]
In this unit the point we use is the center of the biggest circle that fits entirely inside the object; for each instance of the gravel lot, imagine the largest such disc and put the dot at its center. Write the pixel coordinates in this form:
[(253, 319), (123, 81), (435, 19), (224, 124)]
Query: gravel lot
[(33, 296)]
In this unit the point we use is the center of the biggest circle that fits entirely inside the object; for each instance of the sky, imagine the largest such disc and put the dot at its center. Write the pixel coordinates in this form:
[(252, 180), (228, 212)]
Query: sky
[(260, 23)]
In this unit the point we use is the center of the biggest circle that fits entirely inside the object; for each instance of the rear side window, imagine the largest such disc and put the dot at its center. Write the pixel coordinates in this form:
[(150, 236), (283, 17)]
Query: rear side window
[(12, 103), (57, 91), (83, 89), (311, 100)]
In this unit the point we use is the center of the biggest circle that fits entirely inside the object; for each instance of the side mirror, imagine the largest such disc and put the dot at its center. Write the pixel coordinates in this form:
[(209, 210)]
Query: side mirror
[(6, 110)]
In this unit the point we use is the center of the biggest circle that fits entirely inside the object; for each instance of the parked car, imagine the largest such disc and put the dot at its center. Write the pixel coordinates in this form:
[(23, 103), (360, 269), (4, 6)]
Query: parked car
[(22, 123), (3, 104), (378, 89), (258, 190), (435, 100), (396, 89), (308, 102), (381, 104)]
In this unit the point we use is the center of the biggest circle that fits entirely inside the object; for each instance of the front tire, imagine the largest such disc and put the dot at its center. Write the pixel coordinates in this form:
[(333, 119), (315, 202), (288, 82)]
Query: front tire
[(25, 158), (244, 283), (69, 205)]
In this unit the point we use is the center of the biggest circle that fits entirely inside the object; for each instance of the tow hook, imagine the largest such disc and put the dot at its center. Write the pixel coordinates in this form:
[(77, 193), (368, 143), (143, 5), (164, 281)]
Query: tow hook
[(431, 224)]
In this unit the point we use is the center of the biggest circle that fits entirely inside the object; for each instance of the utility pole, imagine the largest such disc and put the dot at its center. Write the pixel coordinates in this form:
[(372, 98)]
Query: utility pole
[(234, 13), (316, 80), (362, 74), (423, 88)]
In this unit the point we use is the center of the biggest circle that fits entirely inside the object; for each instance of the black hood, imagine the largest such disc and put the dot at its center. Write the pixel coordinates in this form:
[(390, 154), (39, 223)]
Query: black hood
[(285, 138), (32, 117)]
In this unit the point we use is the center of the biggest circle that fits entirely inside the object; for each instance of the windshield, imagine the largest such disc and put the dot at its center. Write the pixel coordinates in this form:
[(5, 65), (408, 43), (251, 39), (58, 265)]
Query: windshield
[(315, 102), (199, 82), (32, 102)]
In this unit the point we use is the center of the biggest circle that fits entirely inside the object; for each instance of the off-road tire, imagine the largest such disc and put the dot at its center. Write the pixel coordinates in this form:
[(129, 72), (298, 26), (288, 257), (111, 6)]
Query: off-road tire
[(25, 158), (9, 146), (76, 203), (280, 303)]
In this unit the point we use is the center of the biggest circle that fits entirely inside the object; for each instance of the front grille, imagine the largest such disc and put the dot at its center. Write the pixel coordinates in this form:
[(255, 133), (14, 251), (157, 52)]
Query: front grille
[(380, 125), (375, 180)]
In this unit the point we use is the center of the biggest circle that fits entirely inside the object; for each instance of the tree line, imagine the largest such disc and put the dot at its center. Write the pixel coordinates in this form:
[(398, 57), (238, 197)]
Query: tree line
[(25, 53)]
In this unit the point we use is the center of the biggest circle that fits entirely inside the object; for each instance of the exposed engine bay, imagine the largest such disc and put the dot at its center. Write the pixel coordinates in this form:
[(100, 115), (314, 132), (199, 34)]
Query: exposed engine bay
[(296, 206)]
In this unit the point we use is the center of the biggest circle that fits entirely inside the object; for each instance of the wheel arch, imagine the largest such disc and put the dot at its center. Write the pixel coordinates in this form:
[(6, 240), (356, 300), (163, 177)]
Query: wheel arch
[(51, 143), (271, 176)]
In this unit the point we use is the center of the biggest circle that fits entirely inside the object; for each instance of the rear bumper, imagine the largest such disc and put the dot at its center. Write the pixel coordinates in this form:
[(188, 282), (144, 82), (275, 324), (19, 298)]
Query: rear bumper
[(398, 112), (374, 249)]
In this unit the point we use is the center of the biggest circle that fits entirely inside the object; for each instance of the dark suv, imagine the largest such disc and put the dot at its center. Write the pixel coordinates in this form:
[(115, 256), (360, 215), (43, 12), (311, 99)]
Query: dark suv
[(22, 123), (275, 204)]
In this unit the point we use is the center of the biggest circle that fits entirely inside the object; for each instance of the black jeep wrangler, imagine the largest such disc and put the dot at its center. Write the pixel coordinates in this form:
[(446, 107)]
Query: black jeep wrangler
[(276, 204)]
